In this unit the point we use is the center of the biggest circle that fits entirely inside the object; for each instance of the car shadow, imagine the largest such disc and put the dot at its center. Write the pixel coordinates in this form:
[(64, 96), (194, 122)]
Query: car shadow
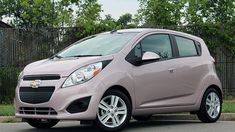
[(133, 125), (78, 128), (159, 123)]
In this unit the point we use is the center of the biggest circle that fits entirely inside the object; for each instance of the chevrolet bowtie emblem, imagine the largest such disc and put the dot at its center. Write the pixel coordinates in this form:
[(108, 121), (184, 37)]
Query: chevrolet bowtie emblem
[(35, 83)]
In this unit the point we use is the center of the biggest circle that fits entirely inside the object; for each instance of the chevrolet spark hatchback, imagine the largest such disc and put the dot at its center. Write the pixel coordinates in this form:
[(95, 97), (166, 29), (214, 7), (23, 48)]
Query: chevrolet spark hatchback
[(109, 77)]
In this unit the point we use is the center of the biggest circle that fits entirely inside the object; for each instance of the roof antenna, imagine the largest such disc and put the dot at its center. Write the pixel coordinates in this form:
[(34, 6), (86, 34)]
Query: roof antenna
[(113, 31)]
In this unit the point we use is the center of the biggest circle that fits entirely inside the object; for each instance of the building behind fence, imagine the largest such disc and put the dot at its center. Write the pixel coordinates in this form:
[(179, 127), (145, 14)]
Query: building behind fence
[(19, 47)]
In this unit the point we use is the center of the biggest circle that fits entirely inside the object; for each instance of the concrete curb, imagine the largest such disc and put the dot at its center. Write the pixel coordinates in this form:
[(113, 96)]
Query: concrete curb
[(223, 117), (9, 119)]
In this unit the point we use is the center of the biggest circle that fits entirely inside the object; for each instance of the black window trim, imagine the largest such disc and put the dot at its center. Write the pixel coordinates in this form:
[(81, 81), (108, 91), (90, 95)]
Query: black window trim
[(198, 47), (177, 49)]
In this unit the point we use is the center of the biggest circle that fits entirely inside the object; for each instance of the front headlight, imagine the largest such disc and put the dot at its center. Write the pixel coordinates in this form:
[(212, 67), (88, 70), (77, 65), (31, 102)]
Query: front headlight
[(83, 74)]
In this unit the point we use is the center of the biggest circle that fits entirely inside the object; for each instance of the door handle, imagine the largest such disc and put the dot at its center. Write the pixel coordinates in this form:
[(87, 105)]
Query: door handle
[(171, 70)]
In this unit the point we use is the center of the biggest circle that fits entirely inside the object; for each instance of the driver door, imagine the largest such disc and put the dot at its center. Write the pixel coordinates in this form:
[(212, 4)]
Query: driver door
[(154, 81)]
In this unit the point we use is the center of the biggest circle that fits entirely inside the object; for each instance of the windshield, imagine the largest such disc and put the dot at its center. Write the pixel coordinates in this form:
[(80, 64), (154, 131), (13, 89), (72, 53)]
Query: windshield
[(103, 44)]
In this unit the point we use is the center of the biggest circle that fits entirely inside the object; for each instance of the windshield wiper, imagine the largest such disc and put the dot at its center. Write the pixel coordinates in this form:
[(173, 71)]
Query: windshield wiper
[(56, 56), (84, 55)]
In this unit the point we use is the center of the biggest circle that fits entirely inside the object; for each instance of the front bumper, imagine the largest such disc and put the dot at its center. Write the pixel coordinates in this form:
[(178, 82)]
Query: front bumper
[(61, 99)]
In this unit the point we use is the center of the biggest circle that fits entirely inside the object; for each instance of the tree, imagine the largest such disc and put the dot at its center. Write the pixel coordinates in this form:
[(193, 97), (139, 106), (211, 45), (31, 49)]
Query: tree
[(193, 15), (109, 23), (178, 12), (125, 19), (221, 11), (161, 12), (88, 11), (28, 13), (87, 16), (109, 18), (49, 13), (210, 11)]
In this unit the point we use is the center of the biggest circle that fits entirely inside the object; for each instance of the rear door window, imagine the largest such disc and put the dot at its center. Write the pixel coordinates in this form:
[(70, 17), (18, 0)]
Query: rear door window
[(186, 47)]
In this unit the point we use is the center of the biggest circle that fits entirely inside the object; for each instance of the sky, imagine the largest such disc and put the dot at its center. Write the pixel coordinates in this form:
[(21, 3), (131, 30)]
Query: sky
[(118, 7), (114, 7)]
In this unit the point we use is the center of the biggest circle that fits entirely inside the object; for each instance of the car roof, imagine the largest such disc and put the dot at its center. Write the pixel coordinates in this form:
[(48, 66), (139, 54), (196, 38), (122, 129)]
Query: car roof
[(150, 30)]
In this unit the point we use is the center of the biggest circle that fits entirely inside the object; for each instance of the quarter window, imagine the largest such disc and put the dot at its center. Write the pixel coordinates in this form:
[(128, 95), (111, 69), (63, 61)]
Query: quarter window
[(186, 47)]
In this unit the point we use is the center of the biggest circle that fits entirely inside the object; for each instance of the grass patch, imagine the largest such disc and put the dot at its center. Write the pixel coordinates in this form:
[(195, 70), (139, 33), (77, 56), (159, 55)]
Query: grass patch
[(7, 110), (228, 107), (9, 120)]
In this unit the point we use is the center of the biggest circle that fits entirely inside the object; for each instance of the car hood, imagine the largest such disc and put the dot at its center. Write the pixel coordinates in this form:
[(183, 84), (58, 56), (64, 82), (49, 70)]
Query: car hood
[(63, 66)]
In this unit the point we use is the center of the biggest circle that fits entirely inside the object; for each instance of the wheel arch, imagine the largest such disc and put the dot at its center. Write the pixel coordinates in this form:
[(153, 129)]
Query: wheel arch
[(202, 113), (209, 81), (217, 88), (123, 90)]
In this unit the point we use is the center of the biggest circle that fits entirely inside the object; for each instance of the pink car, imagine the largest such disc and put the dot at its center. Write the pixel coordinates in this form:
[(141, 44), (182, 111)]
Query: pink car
[(109, 77)]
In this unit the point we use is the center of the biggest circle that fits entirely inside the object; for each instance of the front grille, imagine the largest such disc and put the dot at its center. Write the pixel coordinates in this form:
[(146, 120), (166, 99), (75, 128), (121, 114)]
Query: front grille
[(37, 111), (41, 77), (35, 95)]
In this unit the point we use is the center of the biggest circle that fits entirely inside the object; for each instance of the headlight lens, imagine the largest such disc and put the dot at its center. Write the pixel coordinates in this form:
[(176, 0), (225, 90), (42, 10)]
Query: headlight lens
[(83, 74)]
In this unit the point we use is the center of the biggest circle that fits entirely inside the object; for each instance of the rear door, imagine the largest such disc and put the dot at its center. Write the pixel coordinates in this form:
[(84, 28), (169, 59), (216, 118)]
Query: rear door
[(189, 72)]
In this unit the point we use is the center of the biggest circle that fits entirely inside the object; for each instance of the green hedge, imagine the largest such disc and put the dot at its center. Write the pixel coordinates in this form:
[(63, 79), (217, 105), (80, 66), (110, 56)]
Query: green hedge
[(8, 82)]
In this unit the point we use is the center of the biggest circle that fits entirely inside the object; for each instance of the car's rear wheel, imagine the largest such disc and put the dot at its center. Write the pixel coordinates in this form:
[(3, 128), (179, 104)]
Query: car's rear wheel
[(211, 106), (142, 117), (114, 111), (42, 123)]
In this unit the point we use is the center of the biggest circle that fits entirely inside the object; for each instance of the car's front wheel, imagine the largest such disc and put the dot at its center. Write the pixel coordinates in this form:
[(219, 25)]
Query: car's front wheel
[(42, 123), (211, 106), (114, 111)]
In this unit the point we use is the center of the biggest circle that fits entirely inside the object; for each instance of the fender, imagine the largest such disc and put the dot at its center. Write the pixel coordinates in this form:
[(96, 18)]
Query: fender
[(122, 79), (207, 82)]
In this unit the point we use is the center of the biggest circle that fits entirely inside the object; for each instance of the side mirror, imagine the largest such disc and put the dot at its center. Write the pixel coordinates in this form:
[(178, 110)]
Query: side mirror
[(147, 56)]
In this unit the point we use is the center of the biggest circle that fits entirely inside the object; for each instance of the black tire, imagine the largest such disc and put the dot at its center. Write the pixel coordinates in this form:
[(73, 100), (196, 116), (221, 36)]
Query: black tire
[(142, 117), (202, 114), (42, 123), (128, 115)]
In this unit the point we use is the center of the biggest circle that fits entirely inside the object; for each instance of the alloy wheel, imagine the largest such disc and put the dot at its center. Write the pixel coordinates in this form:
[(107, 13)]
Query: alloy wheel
[(213, 105), (112, 111)]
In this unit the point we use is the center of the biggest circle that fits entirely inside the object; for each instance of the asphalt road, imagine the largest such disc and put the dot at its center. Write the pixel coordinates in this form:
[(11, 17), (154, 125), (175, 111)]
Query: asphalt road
[(134, 126)]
